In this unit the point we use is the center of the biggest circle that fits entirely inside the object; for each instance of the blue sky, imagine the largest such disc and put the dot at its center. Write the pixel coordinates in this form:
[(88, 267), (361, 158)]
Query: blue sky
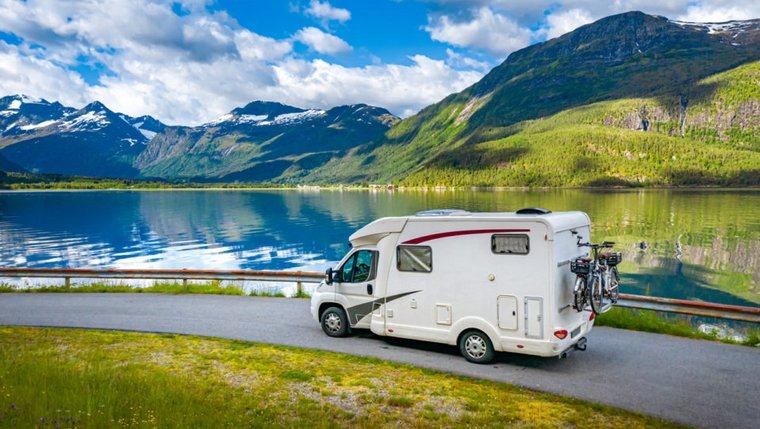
[(187, 62)]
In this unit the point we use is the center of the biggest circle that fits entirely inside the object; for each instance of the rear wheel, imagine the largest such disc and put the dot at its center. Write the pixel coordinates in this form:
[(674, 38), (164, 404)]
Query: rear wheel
[(476, 347), (579, 294), (334, 322), (614, 285), (596, 294)]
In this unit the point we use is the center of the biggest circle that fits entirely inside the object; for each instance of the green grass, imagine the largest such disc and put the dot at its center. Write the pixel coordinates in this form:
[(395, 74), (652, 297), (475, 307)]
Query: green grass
[(95, 379), (592, 155), (269, 293), (27, 181), (214, 287), (211, 288), (660, 323)]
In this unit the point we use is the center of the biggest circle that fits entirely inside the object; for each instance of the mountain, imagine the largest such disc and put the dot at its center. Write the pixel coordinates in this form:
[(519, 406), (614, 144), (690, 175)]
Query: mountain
[(262, 141), (629, 99), (147, 125), (22, 115), (46, 137), (7, 166)]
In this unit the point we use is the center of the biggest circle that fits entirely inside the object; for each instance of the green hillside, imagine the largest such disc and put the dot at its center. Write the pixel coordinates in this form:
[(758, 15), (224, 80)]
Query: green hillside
[(629, 100)]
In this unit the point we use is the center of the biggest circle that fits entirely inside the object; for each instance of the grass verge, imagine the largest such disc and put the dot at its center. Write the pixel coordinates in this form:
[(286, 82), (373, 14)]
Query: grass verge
[(211, 288), (652, 321), (83, 379)]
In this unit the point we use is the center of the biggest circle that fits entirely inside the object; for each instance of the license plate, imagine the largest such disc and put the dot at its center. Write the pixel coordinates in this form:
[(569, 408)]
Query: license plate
[(575, 332)]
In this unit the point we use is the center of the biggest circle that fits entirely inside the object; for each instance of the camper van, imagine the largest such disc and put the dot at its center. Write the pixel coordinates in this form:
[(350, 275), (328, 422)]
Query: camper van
[(486, 282)]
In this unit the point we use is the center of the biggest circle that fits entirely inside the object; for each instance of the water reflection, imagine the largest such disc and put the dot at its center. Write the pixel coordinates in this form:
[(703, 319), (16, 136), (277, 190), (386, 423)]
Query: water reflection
[(685, 244)]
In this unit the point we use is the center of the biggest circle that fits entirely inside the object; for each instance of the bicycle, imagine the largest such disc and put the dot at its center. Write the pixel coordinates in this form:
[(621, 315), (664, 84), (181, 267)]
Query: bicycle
[(581, 267), (599, 275)]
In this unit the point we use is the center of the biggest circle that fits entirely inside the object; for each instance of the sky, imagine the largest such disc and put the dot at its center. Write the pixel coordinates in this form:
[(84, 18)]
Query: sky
[(188, 62)]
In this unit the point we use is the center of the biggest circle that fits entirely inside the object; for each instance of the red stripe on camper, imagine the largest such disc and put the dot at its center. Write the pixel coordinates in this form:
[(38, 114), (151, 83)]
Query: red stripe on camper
[(425, 238)]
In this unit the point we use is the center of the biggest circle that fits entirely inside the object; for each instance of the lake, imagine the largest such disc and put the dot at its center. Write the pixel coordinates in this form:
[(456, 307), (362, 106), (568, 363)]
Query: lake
[(692, 244)]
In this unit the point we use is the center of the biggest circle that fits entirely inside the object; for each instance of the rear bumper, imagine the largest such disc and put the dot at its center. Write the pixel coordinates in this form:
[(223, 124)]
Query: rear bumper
[(551, 347)]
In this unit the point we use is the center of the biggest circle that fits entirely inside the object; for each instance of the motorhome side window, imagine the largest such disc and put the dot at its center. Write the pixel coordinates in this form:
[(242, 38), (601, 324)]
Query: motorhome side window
[(359, 267), (510, 244), (414, 258)]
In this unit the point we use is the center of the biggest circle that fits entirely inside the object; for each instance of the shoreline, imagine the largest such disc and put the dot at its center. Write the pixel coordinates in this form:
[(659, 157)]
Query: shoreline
[(378, 188)]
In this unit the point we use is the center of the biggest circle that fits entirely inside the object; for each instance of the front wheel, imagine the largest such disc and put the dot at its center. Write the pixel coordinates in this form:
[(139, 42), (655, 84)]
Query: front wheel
[(334, 322), (476, 347)]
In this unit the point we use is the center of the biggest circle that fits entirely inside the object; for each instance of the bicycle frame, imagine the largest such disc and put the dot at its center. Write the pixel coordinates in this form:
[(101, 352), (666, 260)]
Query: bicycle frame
[(598, 280)]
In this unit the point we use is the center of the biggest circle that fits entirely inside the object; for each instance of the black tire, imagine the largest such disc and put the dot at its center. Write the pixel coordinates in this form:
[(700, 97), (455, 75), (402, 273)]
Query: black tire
[(476, 347), (334, 322), (615, 285), (579, 294), (596, 293)]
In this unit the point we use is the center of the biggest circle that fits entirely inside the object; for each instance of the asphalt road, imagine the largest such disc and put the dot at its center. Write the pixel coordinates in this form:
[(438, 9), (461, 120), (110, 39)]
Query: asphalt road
[(700, 383)]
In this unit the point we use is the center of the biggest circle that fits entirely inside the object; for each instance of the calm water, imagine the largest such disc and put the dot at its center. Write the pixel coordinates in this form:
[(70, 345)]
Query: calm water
[(685, 244)]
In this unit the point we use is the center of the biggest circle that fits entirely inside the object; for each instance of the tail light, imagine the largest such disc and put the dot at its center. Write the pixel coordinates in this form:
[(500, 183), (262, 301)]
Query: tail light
[(561, 334), (591, 317)]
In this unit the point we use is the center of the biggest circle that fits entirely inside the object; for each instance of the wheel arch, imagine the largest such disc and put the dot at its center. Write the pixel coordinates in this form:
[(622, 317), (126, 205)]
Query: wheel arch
[(327, 304), (474, 324)]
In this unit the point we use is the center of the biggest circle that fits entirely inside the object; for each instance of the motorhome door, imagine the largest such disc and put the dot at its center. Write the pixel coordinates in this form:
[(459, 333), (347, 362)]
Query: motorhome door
[(356, 285)]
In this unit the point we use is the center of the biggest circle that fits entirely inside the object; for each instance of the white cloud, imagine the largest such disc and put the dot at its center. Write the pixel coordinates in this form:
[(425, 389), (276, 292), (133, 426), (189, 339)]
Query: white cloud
[(563, 22), (401, 88), (189, 69), (720, 11), (524, 11), (322, 42), (486, 30), (21, 73), (326, 12), (458, 60)]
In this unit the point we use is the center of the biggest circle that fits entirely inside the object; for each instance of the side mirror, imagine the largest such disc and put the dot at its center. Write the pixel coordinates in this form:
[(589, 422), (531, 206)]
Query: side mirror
[(329, 276)]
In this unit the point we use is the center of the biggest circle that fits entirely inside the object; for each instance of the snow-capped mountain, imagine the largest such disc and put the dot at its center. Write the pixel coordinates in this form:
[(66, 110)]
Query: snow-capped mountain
[(262, 141), (147, 125), (256, 142), (735, 33), (46, 137), (21, 114)]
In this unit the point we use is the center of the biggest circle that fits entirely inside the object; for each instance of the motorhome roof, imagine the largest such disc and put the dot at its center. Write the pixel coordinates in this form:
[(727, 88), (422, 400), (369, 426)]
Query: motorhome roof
[(376, 230)]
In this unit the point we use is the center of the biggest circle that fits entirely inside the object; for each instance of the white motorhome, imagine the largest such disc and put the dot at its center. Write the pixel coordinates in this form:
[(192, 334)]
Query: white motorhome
[(486, 282)]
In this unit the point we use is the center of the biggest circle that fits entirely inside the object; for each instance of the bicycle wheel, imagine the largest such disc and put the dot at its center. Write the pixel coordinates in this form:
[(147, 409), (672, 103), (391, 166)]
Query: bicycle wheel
[(579, 293), (614, 285), (595, 293)]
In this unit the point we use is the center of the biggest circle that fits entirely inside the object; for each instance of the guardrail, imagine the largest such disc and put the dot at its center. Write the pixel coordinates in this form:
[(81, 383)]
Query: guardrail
[(694, 308)]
